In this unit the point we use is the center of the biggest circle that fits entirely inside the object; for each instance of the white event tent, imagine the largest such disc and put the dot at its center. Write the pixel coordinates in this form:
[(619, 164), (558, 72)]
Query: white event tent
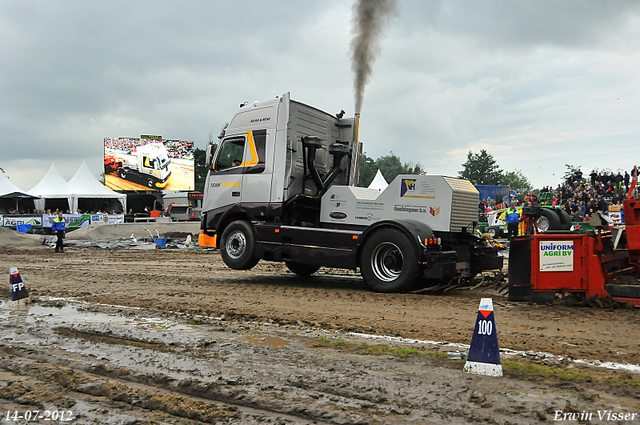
[(11, 191), (85, 185), (82, 185), (52, 186), (378, 182)]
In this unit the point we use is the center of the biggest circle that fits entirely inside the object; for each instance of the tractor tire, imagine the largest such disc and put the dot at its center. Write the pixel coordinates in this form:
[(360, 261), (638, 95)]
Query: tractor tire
[(548, 220), (494, 232), (237, 247), (565, 219), (389, 262), (302, 270)]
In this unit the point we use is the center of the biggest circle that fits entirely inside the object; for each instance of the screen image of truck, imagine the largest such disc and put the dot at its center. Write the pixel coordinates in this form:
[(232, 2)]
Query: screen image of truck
[(148, 164)]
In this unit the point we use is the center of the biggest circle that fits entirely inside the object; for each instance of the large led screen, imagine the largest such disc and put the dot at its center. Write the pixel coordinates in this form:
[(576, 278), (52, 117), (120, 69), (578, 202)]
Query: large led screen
[(148, 163)]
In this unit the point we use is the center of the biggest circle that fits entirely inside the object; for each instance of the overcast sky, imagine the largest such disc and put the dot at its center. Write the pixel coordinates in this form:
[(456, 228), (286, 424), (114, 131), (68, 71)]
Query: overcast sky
[(536, 83)]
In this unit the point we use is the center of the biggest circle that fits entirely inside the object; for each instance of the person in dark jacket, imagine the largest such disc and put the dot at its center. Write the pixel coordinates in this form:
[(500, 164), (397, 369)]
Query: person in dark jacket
[(59, 226)]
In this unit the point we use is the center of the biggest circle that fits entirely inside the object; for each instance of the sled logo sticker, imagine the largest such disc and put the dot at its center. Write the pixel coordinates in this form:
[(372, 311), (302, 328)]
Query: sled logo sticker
[(409, 189), (434, 212)]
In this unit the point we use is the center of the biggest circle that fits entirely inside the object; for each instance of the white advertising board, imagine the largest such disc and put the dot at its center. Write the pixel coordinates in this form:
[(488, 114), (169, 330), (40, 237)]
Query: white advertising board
[(556, 256)]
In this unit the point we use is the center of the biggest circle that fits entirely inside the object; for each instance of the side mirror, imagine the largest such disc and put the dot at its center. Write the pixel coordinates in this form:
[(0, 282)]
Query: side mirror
[(209, 158)]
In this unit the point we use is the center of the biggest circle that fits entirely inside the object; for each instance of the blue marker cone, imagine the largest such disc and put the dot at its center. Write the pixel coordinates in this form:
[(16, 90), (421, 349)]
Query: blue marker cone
[(18, 294), (484, 356)]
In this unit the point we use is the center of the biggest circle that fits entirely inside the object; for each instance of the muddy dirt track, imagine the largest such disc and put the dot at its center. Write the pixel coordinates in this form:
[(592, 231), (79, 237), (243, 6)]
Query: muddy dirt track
[(168, 336)]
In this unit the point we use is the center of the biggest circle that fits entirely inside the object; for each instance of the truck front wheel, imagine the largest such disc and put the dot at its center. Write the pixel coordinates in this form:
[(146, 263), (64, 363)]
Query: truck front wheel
[(150, 183), (122, 173), (238, 246), (389, 262)]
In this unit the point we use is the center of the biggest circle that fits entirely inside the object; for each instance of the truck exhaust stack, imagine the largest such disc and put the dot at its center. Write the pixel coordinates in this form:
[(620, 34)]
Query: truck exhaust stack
[(356, 127)]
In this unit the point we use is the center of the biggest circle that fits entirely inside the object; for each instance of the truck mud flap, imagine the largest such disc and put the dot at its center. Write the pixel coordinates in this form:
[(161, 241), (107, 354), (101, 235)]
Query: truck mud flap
[(440, 265)]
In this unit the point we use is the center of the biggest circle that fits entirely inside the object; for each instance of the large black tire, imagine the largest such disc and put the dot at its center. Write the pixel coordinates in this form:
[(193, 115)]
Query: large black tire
[(302, 270), (494, 232), (238, 245), (548, 220), (150, 183), (389, 262), (122, 174), (565, 219)]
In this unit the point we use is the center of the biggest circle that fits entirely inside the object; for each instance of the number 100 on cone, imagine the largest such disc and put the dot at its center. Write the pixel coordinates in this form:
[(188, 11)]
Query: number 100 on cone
[(484, 355)]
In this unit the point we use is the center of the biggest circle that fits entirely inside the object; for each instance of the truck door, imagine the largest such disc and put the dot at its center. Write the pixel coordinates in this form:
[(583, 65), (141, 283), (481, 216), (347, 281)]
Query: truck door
[(225, 180)]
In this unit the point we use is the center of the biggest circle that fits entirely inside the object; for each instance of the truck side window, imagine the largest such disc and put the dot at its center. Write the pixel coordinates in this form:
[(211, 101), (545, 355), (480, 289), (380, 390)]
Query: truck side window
[(231, 153)]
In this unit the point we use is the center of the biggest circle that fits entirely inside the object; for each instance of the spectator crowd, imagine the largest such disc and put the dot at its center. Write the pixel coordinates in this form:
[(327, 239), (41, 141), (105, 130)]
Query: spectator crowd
[(579, 195), (175, 148)]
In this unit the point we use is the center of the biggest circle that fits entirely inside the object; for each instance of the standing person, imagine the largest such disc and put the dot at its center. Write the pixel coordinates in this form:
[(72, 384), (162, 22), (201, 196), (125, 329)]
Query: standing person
[(627, 178), (513, 219), (59, 227)]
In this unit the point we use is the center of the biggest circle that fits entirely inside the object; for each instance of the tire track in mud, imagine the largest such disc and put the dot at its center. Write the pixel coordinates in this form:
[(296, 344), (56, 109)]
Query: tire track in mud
[(191, 399)]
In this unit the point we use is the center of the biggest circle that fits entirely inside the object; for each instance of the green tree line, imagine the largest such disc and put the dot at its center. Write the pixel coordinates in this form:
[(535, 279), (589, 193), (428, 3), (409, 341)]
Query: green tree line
[(482, 168)]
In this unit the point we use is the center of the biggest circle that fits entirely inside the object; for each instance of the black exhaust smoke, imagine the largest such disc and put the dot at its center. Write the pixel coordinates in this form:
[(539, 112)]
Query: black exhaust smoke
[(369, 20)]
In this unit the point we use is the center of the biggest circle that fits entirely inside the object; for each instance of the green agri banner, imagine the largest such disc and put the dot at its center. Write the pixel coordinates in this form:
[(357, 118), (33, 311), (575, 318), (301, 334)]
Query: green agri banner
[(13, 220)]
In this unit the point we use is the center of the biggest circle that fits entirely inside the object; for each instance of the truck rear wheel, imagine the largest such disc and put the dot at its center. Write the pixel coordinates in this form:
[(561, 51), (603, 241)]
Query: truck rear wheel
[(302, 270), (238, 246), (389, 263)]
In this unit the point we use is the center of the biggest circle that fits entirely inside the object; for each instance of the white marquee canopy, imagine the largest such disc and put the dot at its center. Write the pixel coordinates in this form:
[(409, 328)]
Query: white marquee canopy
[(82, 185)]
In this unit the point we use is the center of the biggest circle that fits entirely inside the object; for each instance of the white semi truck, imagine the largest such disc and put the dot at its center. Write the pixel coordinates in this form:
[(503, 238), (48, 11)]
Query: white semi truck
[(148, 165), (280, 187)]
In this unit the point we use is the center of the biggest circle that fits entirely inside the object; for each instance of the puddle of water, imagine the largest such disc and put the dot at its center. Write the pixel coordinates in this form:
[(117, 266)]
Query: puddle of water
[(271, 341)]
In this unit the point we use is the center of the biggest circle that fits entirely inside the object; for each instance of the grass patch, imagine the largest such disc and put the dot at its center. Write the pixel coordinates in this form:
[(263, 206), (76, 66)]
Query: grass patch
[(400, 351), (322, 339), (339, 343)]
